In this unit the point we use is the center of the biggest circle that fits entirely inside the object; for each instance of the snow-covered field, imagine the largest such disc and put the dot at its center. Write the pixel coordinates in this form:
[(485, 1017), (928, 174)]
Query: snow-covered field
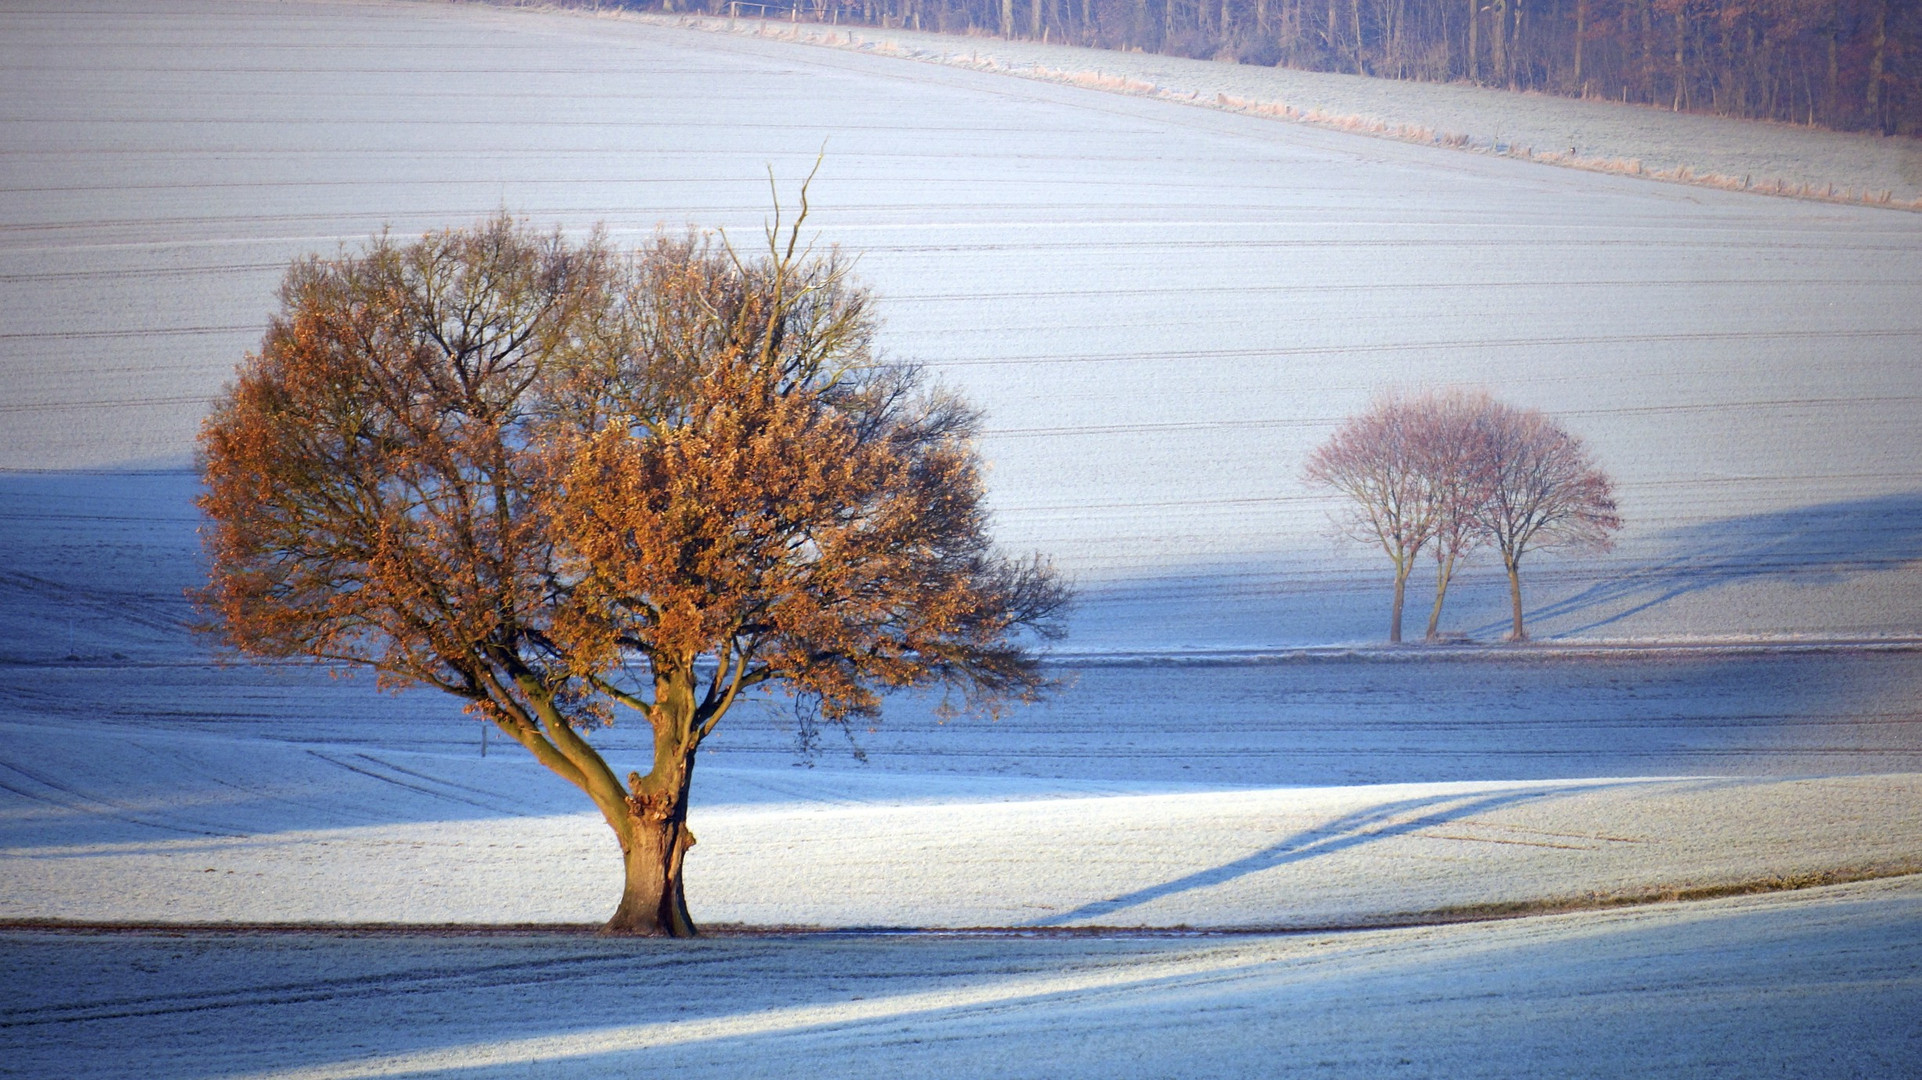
[(919, 856), (1809, 986), (1161, 308)]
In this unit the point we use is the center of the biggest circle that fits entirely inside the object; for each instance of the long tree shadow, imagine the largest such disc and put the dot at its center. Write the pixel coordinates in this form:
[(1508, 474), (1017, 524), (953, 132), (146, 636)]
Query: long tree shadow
[(1367, 826), (1811, 545)]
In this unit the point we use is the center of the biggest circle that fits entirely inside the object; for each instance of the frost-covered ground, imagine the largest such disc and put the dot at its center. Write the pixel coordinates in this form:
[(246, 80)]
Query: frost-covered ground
[(1817, 985), (843, 852), (1161, 309)]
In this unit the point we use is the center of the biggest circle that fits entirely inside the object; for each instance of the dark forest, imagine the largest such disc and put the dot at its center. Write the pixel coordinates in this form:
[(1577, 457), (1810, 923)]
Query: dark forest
[(1854, 65)]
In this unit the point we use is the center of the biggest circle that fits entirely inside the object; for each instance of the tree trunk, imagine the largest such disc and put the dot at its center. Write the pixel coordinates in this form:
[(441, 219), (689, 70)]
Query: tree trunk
[(651, 821), (1401, 592), (1880, 43), (1581, 30), (1648, 53), (1515, 597), (652, 901), (1681, 57), (1499, 43), (1354, 10), (1831, 105), (654, 842), (1444, 570), (1517, 55), (1474, 43), (1401, 39)]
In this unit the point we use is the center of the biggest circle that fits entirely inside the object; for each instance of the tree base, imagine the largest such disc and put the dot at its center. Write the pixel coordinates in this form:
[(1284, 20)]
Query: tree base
[(653, 903), (614, 929)]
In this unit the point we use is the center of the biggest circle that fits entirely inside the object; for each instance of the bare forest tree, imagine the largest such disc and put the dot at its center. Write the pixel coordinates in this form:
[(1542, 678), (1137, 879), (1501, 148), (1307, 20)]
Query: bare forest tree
[(1849, 64), (563, 484), (1452, 471)]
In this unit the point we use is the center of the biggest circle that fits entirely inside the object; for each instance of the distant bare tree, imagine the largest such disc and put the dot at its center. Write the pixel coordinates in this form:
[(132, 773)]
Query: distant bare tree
[(1542, 490), (1453, 451), (1376, 460), (1450, 471)]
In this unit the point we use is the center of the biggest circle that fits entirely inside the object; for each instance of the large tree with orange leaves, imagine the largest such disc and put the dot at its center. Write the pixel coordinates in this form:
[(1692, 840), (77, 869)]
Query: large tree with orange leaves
[(567, 484)]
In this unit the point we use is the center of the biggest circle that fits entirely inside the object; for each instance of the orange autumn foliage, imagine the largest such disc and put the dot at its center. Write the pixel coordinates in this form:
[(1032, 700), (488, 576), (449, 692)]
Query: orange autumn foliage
[(369, 476), (833, 542)]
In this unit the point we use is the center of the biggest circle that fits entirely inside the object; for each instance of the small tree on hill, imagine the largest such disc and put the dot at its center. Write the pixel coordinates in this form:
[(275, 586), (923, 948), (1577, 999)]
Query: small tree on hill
[(1542, 490), (1377, 460), (1453, 456), (561, 483)]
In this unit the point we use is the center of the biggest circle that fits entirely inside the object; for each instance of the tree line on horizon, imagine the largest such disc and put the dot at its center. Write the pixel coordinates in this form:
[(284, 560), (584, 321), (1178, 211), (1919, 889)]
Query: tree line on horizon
[(1852, 65), (1448, 472)]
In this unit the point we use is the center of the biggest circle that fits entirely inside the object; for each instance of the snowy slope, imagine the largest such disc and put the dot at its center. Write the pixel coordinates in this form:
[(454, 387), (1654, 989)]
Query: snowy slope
[(1820, 984), (1161, 308), (1004, 854)]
